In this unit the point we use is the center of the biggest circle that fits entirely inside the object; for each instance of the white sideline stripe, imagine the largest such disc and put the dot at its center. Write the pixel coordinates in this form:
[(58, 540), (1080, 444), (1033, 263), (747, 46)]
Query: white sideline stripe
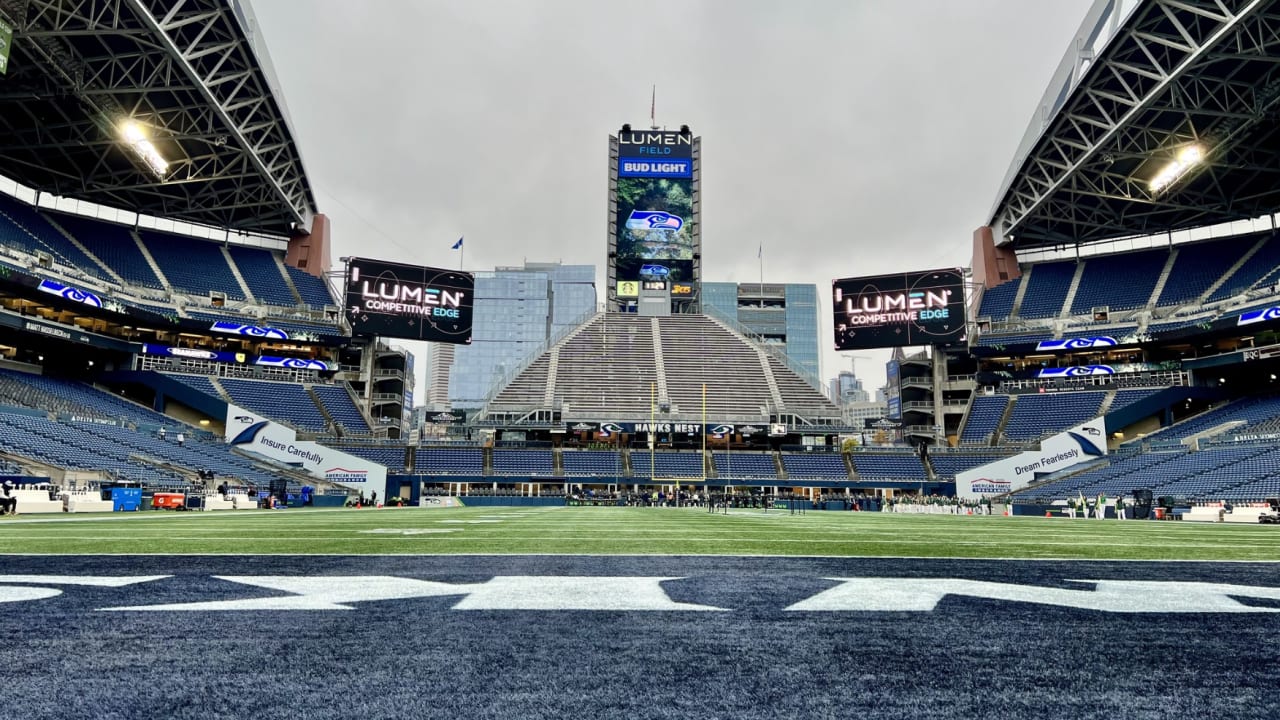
[(659, 556)]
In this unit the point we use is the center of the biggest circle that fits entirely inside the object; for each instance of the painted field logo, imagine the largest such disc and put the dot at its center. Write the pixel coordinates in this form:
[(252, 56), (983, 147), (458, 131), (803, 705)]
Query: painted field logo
[(343, 475)]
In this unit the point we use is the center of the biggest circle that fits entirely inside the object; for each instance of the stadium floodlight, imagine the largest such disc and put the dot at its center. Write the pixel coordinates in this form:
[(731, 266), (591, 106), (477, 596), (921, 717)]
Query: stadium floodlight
[(135, 136), (1187, 158)]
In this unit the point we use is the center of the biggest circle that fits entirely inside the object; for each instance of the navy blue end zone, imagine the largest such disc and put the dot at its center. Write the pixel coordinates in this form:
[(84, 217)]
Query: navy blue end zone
[(64, 656)]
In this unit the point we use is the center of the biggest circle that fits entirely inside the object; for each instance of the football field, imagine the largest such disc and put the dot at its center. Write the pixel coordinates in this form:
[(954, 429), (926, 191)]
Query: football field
[(644, 531), (634, 613)]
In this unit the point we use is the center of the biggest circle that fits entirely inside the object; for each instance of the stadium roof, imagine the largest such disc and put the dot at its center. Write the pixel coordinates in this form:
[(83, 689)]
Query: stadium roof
[(194, 81), (1144, 85)]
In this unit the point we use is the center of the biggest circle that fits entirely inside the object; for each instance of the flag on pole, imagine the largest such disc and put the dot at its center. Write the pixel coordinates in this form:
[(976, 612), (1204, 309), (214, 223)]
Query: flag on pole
[(457, 245), (760, 252)]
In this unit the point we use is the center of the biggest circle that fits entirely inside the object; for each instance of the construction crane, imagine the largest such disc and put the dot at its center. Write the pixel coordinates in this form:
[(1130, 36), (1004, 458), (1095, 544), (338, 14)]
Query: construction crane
[(853, 362)]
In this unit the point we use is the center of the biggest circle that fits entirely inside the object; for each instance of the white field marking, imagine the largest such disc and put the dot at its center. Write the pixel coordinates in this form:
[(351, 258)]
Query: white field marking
[(471, 522), (407, 531), (1118, 596), (499, 593), (20, 594), (560, 538)]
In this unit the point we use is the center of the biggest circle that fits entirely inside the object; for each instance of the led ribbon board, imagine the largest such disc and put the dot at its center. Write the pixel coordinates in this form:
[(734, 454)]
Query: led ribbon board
[(920, 308), (409, 301)]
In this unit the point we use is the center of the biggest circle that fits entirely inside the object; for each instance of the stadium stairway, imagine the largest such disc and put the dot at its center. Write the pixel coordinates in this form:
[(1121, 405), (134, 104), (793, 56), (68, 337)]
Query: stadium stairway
[(288, 279), (1226, 277), (1072, 290), (774, 391), (329, 420), (151, 261), (660, 363), (553, 367), (102, 267), (1021, 295), (235, 272), (1003, 422), (1162, 280)]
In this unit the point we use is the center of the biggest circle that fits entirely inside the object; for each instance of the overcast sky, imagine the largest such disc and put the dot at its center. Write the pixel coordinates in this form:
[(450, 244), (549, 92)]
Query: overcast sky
[(849, 137)]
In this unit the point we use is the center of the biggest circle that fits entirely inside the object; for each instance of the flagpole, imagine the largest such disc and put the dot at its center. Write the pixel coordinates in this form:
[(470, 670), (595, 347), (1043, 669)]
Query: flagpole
[(760, 256)]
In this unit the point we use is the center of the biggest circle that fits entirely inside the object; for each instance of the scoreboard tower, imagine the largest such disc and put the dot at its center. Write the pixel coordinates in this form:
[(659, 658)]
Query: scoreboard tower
[(655, 221)]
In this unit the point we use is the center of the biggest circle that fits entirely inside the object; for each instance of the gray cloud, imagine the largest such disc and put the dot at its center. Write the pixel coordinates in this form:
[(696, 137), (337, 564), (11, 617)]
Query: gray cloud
[(847, 137)]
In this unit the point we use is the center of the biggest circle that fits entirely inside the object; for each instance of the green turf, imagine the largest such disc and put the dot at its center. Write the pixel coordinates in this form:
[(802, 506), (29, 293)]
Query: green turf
[(658, 531)]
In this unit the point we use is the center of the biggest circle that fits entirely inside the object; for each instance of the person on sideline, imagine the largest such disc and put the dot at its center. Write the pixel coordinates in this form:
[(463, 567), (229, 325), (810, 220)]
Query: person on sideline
[(8, 503)]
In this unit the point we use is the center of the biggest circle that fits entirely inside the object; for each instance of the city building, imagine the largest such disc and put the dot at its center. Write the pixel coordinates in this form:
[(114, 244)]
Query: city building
[(518, 313), (783, 315), (846, 388)]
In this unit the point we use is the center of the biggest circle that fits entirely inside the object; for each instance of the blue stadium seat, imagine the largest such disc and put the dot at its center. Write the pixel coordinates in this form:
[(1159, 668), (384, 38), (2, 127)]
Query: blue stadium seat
[(198, 382), (667, 464), (1047, 289), (888, 466), (600, 463), (744, 465), (315, 293), (262, 274), (1036, 415), (1199, 265), (336, 399), (286, 402), (114, 246), (25, 227), (192, 265), (523, 462), (1121, 282), (997, 302), (392, 456), (984, 416), (988, 340), (449, 461), (1264, 264), (947, 465), (818, 466)]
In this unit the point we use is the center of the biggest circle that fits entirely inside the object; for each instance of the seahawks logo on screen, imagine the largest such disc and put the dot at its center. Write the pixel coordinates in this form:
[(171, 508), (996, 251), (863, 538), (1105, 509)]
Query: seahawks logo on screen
[(654, 220), (654, 271)]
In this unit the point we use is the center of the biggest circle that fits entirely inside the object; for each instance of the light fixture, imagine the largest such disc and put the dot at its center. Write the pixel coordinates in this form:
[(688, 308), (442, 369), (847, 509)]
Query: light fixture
[(1187, 158), (135, 136)]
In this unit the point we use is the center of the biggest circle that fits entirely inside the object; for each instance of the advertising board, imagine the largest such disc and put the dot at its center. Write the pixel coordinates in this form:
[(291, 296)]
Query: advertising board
[(409, 301), (917, 308)]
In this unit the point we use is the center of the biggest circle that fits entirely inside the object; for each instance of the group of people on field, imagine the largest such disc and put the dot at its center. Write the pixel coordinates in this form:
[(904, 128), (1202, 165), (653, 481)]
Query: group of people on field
[(936, 505), (1083, 507)]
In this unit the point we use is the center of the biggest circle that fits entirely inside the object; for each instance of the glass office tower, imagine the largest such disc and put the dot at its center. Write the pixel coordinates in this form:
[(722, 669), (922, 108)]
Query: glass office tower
[(517, 311), (782, 314)]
